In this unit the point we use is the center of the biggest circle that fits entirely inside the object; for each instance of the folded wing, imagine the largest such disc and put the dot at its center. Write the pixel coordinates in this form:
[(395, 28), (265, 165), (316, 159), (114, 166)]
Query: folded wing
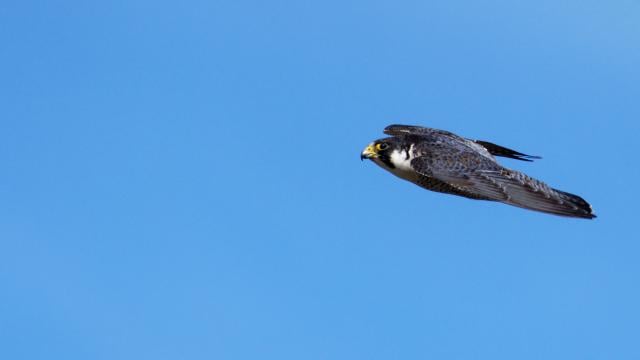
[(493, 149), (478, 177)]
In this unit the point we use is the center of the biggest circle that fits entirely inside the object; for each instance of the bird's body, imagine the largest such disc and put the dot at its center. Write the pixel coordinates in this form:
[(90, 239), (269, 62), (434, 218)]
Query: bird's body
[(441, 161)]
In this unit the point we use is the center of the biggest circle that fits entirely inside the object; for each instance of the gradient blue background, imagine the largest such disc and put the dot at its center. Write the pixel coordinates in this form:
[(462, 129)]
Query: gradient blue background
[(181, 180)]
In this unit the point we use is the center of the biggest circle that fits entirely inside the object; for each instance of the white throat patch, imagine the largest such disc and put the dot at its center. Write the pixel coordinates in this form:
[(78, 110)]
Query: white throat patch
[(402, 164), (401, 160)]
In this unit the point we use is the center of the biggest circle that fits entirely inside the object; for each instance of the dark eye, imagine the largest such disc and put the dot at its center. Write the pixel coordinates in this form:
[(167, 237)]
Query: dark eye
[(382, 146)]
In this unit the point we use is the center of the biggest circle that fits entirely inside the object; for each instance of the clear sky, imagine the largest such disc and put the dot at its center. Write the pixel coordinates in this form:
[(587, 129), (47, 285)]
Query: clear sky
[(181, 180)]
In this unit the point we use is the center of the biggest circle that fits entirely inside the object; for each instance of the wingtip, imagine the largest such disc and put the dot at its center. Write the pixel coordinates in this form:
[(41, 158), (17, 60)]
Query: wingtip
[(498, 150), (524, 157)]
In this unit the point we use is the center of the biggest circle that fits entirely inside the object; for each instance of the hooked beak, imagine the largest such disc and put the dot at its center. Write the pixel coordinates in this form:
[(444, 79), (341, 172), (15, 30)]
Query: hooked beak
[(368, 152)]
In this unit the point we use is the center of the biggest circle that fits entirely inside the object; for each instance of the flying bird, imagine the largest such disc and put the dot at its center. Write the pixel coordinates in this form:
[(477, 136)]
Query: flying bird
[(441, 161)]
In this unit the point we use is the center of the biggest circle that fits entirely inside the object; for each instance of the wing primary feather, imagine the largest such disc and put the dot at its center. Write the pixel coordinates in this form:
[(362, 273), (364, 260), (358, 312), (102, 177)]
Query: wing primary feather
[(498, 150)]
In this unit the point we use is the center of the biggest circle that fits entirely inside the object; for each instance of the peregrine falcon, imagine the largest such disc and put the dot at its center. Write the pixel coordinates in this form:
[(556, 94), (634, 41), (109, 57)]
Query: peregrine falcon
[(441, 161)]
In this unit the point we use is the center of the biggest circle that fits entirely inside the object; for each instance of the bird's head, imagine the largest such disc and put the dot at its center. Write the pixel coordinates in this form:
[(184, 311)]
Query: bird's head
[(380, 151)]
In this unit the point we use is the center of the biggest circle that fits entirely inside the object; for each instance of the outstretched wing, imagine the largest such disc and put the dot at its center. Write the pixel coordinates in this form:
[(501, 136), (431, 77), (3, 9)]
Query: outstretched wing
[(478, 177)]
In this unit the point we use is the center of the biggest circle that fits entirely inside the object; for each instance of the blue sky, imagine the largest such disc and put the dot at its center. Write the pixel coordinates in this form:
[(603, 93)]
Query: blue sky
[(181, 180)]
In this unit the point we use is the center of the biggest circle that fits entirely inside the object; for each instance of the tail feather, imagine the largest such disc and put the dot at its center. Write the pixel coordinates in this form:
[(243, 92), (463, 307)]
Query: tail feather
[(583, 206)]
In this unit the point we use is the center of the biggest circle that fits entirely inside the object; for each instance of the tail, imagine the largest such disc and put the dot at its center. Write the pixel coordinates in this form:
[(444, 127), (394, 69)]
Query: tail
[(582, 207)]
